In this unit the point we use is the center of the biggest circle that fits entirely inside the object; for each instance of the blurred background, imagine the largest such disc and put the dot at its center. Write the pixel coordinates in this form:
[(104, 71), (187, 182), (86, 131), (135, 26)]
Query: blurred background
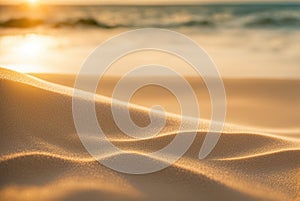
[(244, 39)]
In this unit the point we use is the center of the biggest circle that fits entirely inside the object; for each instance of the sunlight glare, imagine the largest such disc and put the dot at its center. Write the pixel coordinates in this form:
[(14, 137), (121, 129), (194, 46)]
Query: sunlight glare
[(29, 50), (31, 47), (32, 1)]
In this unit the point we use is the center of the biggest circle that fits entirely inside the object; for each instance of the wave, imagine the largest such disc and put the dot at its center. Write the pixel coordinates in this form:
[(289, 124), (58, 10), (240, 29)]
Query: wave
[(273, 22), (30, 22), (21, 23), (92, 22)]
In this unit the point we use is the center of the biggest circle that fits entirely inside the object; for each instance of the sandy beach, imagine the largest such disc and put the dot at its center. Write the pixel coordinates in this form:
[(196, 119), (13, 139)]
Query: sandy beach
[(42, 158), (207, 106)]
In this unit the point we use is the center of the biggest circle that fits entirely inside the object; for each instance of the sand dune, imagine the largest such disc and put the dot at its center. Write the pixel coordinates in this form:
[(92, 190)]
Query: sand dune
[(42, 158)]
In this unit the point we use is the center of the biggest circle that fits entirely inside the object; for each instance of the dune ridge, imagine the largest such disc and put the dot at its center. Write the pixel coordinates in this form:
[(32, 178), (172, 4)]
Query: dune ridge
[(42, 158)]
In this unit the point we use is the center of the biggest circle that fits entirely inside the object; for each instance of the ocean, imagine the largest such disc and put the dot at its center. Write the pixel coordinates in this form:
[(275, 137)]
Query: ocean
[(226, 16), (252, 40)]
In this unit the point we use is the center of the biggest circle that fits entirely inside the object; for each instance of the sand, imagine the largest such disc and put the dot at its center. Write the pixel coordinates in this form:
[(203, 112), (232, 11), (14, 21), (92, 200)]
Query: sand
[(42, 158)]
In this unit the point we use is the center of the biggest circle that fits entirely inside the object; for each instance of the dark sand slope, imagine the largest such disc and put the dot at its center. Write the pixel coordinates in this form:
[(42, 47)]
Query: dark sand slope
[(42, 158)]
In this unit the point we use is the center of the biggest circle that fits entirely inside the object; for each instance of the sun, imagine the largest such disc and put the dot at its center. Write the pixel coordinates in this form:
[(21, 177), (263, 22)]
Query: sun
[(32, 2)]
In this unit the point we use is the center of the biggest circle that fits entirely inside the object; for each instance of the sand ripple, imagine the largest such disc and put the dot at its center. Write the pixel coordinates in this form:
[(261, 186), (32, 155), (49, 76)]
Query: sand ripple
[(42, 158)]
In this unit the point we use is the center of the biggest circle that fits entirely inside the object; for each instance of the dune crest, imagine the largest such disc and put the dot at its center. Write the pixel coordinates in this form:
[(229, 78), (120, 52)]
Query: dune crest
[(42, 157)]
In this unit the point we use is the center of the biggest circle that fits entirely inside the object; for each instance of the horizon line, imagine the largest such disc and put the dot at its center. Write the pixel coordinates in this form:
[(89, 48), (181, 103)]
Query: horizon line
[(156, 3)]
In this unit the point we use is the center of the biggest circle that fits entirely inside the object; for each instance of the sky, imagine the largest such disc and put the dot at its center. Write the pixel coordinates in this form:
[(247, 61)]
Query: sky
[(134, 1)]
